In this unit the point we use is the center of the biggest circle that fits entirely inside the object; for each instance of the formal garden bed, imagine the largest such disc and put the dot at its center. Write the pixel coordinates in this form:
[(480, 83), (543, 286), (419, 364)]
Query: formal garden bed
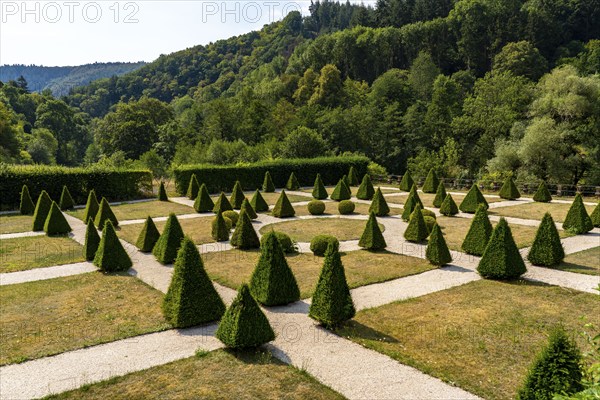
[(583, 262), (14, 223), (534, 210), (19, 254), (199, 229), (141, 210), (303, 230)]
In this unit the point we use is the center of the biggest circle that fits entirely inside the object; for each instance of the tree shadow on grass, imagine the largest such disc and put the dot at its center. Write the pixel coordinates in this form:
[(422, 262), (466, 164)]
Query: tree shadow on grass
[(357, 330)]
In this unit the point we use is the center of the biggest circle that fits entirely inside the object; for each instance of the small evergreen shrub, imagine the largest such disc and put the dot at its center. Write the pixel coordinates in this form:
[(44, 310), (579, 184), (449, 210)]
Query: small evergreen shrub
[(319, 192), (222, 204), (346, 207), (26, 206), (66, 201), (162, 193), (479, 233), (220, 230), (232, 215), (247, 208), (411, 201), (42, 208), (473, 198), (167, 245), (431, 182), (407, 182), (193, 187), (440, 195), (228, 223), (283, 208), (244, 325), (577, 220), (92, 241), (258, 202), (429, 222), (416, 231), (148, 236), (341, 191), (319, 244), (191, 298), (346, 180), (547, 249), (449, 207), (501, 258), (111, 256), (366, 191), (203, 202), (91, 207), (379, 205), (268, 186), (509, 190), (237, 196), (353, 176), (331, 302), (292, 183), (595, 216), (56, 224), (372, 238), (316, 207), (542, 194), (272, 282), (428, 213), (244, 236), (437, 252), (287, 244), (105, 213)]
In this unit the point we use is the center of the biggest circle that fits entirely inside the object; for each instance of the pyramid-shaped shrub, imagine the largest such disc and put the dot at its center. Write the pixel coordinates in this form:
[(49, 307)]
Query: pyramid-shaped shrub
[(379, 205), (555, 370), (283, 208), (595, 216), (407, 182), (440, 195), (105, 213), (353, 176), (547, 249), (345, 179), (148, 236), (372, 238), (56, 224), (479, 233), (431, 182), (577, 220), (365, 191), (319, 192), (42, 208), (244, 325), (91, 206), (437, 252), (411, 201), (416, 231), (448, 207), (203, 202), (66, 201), (244, 236), (292, 183), (92, 241), (111, 256), (193, 187), (237, 196), (167, 245), (341, 191), (162, 193), (542, 194), (473, 198), (272, 282), (331, 302), (501, 258), (247, 208), (191, 298), (258, 202), (509, 190), (220, 231), (26, 206), (222, 204), (268, 186)]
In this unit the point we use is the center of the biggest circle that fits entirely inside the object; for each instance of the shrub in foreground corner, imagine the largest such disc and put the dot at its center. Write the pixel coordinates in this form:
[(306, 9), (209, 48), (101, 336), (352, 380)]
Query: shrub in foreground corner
[(379, 205), (577, 220), (440, 195), (111, 256), (222, 204), (431, 182), (292, 183), (244, 236), (542, 194), (42, 208), (191, 298), (595, 216), (448, 207), (509, 190), (283, 208), (148, 236), (268, 186), (220, 230), (365, 191), (167, 245), (258, 202), (56, 223), (319, 244), (66, 200), (104, 214), (91, 206), (316, 207), (287, 244), (193, 187), (319, 192), (203, 202), (407, 182), (162, 193), (547, 249), (26, 206), (437, 251), (372, 238), (501, 258), (416, 231), (341, 191), (237, 196), (473, 198), (479, 233), (92, 241), (346, 207), (247, 208)]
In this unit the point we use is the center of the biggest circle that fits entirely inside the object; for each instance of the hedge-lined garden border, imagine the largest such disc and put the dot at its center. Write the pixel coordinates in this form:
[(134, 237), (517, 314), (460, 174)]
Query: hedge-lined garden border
[(222, 178)]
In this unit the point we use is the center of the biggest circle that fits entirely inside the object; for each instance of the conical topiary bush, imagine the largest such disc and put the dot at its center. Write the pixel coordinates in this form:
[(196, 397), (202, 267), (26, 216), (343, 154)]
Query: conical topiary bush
[(416, 231), (431, 182), (167, 245), (345, 179), (111, 256), (542, 194), (479, 233), (353, 176), (292, 183), (283, 208), (193, 187), (319, 192), (42, 208), (341, 191), (501, 258), (222, 204), (162, 193), (105, 213), (220, 231), (509, 190), (379, 205), (440, 195), (473, 198), (237, 196), (66, 201), (595, 216), (56, 224), (407, 182), (258, 202), (577, 220), (148, 236), (92, 241), (372, 238), (331, 303), (247, 208), (547, 249), (26, 206), (191, 298), (272, 282), (203, 202), (244, 236), (411, 201), (437, 251), (449, 207), (365, 191), (244, 325), (268, 185), (91, 207)]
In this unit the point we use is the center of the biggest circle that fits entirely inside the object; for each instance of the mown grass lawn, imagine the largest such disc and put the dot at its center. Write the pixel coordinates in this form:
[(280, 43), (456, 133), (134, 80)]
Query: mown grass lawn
[(142, 210), (13, 223), (584, 262), (19, 254), (199, 229), (536, 210), (303, 230)]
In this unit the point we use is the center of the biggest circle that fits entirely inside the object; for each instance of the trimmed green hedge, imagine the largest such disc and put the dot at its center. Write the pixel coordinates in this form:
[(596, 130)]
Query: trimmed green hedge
[(113, 184), (222, 177)]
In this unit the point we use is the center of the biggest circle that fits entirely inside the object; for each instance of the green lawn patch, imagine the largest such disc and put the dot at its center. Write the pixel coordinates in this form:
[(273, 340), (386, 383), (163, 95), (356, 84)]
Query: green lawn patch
[(14, 223), (141, 210), (25, 253), (305, 229)]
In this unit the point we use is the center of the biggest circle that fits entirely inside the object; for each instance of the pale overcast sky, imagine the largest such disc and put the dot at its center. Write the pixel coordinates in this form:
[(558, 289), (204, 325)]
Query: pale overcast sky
[(74, 32)]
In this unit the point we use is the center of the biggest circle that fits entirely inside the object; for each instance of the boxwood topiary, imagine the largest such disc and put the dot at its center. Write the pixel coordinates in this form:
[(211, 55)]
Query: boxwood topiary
[(287, 244), (429, 222), (162, 193), (268, 186), (509, 190), (577, 220), (416, 231), (440, 195), (319, 244), (595, 216), (345, 179), (547, 249), (411, 201), (26, 206), (292, 183), (365, 191), (316, 207), (437, 252), (244, 236), (232, 215), (379, 205), (479, 233), (449, 207), (56, 224), (165, 249), (111, 256), (319, 192), (220, 230), (407, 182), (501, 258), (193, 187), (105, 213), (283, 208), (66, 201), (346, 207), (542, 194), (353, 176), (148, 236), (247, 208), (428, 213), (228, 223), (203, 202), (92, 240), (222, 204), (473, 198), (237, 196), (431, 182), (372, 238), (341, 191), (42, 208), (258, 202), (91, 207)]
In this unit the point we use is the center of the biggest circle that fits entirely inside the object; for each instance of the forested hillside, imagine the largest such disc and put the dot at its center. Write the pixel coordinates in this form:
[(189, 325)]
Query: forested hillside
[(473, 88)]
